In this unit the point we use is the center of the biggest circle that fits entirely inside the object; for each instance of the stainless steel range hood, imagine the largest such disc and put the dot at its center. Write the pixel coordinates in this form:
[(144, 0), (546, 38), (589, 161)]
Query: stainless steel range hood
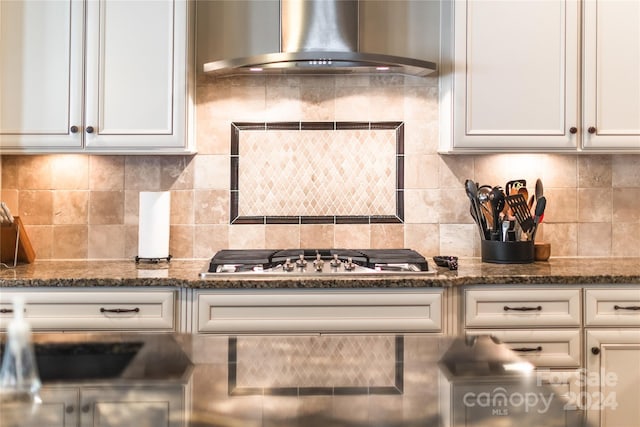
[(317, 36)]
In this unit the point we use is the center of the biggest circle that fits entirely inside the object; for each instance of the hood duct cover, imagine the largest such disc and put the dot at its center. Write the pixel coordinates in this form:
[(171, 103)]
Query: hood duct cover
[(316, 36)]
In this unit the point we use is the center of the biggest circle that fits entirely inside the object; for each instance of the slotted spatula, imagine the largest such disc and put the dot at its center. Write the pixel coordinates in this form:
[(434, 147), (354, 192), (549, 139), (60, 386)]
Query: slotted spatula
[(520, 208)]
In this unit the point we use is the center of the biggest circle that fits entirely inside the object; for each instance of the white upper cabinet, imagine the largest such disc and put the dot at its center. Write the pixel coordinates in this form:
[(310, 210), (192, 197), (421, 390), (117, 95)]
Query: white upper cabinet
[(611, 94), (133, 96), (511, 75), (41, 76)]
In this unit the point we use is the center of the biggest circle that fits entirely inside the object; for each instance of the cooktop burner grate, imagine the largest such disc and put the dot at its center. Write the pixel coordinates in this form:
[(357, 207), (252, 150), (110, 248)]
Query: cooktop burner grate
[(305, 261)]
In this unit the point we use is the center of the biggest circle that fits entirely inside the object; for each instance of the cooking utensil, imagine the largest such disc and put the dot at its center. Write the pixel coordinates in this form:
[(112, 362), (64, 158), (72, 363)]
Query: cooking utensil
[(540, 207), (485, 205), (496, 198), (539, 189), (518, 205), (471, 189), (505, 229)]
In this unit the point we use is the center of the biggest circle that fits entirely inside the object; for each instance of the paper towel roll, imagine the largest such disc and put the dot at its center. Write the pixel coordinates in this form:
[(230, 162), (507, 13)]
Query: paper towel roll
[(153, 224)]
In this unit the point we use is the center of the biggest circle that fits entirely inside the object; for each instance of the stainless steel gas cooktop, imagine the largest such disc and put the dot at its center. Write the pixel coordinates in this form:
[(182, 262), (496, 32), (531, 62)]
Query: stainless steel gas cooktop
[(315, 262)]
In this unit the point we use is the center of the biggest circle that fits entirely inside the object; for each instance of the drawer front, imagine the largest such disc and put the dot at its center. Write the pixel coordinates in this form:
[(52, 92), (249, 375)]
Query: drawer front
[(115, 309), (612, 307), (516, 308), (326, 311), (543, 348)]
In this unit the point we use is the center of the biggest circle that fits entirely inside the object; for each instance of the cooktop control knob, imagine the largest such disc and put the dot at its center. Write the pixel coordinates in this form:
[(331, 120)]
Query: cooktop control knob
[(349, 264), (335, 262), (301, 262), (288, 265), (318, 264)]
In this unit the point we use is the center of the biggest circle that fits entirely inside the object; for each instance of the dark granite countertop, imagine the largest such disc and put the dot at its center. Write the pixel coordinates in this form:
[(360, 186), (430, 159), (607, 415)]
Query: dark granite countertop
[(185, 274)]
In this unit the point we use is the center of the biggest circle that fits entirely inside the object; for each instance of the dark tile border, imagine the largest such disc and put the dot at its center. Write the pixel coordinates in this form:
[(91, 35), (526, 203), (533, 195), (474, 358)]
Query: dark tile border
[(237, 127), (395, 389)]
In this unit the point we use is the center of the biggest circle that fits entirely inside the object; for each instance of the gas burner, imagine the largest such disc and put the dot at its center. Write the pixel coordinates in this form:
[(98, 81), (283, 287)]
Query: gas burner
[(325, 261)]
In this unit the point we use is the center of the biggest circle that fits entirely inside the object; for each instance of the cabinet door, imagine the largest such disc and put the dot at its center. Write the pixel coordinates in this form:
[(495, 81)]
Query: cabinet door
[(611, 70), (613, 368), (514, 79), (59, 408), (40, 74), (132, 407), (136, 74)]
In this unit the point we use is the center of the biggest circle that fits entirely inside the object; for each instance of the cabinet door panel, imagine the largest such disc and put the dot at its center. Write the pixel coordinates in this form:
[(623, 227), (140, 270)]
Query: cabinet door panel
[(612, 67), (516, 74), (59, 408), (135, 64), (613, 367), (40, 43)]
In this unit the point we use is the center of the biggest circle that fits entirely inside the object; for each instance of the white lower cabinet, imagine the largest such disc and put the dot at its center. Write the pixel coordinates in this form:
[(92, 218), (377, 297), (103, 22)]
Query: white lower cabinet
[(105, 406), (326, 310), (612, 337), (98, 309)]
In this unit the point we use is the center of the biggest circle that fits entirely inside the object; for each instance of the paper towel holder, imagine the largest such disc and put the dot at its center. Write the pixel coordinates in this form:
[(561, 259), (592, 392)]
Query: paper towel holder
[(153, 227)]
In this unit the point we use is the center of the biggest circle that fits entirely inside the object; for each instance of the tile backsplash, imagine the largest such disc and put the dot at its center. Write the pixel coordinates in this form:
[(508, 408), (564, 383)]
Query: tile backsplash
[(86, 206)]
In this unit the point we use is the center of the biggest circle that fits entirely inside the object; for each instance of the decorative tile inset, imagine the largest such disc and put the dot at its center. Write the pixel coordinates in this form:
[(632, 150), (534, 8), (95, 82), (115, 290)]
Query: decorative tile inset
[(347, 170), (316, 365)]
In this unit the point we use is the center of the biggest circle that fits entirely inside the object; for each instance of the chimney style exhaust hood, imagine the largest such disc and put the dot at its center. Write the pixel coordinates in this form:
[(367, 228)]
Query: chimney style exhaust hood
[(317, 36)]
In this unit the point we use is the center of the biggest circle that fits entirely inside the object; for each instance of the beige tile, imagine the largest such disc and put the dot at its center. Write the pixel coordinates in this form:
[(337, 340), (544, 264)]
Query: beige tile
[(454, 207), (352, 104), (314, 236), (36, 207), (176, 172), (70, 172), (280, 410), (497, 169), (181, 241), (283, 80), (212, 172), (142, 173), (106, 242), (10, 197), (106, 207), (352, 236), (421, 171), (70, 242), (131, 207), (386, 103), (283, 102), (594, 171), (9, 173), (282, 236), (625, 171), (324, 81), (563, 238), (182, 207), (625, 239), (385, 409), (211, 207), (454, 171), (421, 103), (460, 240), (244, 103), (106, 173), (351, 410), (246, 236), (626, 205), (35, 173), (387, 236), (421, 206), (560, 171), (208, 239), (594, 239), (424, 238), (317, 104), (213, 135), (70, 207), (594, 204), (41, 238), (562, 205), (130, 241)]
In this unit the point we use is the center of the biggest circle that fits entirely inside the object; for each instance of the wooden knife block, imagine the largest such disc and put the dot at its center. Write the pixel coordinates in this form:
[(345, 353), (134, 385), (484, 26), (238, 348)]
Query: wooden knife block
[(8, 235)]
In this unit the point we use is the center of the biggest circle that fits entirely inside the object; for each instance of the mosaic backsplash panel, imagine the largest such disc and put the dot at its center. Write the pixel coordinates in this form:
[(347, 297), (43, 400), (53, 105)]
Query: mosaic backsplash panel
[(309, 170)]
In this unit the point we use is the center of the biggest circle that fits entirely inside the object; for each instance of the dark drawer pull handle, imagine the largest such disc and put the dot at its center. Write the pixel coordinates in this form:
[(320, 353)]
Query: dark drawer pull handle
[(631, 307), (119, 310), (538, 308), (595, 350), (527, 349), (6, 310)]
